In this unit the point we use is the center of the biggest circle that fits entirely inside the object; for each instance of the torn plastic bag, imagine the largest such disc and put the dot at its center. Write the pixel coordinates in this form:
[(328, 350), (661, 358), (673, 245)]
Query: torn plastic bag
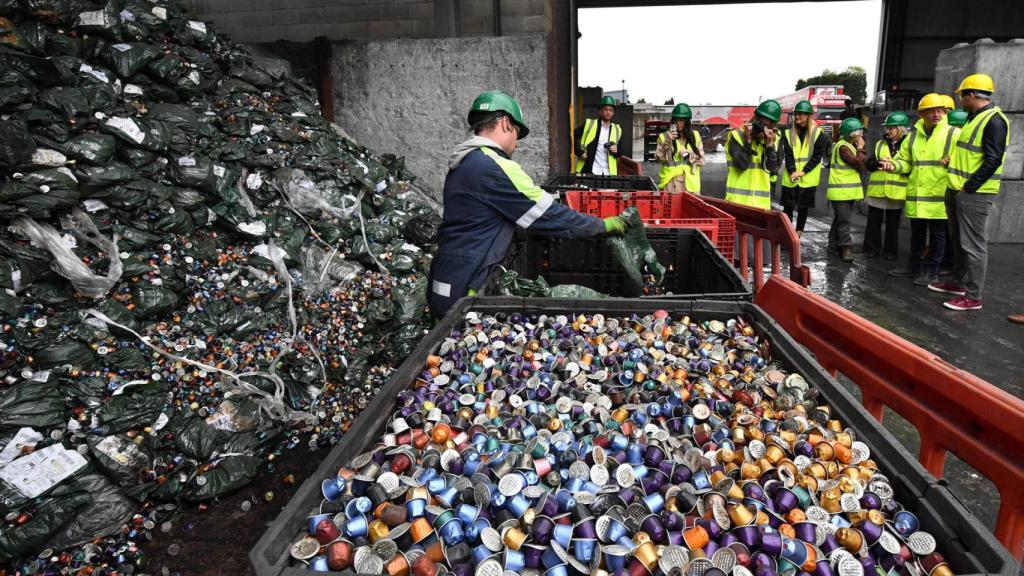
[(66, 351), (119, 313), (237, 415), (410, 300), (403, 341), (574, 291), (35, 404), (230, 474), (66, 263), (310, 198), (120, 458), (511, 284), (91, 148), (133, 406), (323, 269), (635, 256), (16, 145), (30, 537), (422, 230), (105, 22), (152, 135), (152, 302), (129, 58), (109, 510), (195, 438)]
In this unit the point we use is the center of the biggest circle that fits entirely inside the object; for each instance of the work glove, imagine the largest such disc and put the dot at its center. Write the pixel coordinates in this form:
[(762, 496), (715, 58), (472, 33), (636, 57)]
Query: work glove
[(615, 225)]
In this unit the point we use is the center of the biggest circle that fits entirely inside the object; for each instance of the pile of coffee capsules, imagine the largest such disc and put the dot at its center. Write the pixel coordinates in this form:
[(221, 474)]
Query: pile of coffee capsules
[(590, 445)]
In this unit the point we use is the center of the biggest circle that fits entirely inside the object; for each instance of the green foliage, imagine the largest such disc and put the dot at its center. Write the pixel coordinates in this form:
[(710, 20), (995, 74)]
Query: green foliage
[(854, 81)]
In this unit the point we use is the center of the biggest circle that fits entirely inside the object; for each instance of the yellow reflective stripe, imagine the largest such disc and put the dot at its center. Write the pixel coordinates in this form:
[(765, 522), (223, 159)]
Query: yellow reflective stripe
[(882, 180), (971, 147), (745, 192), (926, 198), (519, 179), (997, 176), (844, 185), (927, 163)]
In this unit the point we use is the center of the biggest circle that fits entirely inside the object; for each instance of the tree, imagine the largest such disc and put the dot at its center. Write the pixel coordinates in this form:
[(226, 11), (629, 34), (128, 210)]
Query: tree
[(670, 101), (854, 81), (642, 101)]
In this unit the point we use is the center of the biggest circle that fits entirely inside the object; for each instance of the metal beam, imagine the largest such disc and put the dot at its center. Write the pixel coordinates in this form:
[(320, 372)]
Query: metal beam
[(446, 19)]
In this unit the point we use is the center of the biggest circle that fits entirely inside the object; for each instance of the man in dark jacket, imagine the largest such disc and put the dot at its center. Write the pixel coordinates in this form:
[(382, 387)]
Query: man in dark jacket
[(596, 142), (486, 195)]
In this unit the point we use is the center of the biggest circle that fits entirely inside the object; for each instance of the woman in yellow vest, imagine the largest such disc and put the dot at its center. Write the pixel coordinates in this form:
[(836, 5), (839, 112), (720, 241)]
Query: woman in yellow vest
[(681, 154), (886, 191), (597, 142), (845, 186), (923, 157), (752, 155), (803, 147)]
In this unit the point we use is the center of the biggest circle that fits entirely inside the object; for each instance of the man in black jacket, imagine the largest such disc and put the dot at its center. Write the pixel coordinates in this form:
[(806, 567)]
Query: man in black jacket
[(596, 143)]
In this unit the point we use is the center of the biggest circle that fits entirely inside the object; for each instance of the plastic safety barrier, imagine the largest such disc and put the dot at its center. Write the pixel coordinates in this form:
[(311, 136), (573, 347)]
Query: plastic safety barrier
[(953, 410), (764, 225)]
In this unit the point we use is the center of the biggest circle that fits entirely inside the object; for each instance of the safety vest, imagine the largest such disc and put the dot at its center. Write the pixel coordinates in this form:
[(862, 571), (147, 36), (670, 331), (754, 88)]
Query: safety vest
[(590, 131), (843, 180), (968, 154), (882, 184), (753, 186), (921, 156), (802, 150), (680, 166)]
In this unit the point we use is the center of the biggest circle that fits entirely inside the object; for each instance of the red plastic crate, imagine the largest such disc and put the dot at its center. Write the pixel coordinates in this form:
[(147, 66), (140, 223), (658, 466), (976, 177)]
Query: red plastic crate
[(661, 210)]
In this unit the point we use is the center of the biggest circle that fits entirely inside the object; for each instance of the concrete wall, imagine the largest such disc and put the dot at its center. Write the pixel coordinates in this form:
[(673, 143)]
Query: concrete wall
[(410, 97), (303, 20), (1005, 63)]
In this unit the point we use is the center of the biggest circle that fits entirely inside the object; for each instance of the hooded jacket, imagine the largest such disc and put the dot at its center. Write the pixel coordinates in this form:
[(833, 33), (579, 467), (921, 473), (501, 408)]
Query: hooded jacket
[(486, 196)]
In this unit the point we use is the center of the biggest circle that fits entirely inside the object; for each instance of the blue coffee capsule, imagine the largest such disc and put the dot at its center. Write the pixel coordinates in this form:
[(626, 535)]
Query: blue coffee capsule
[(437, 485), (700, 480), (451, 532), (356, 506), (615, 557), (574, 485), (332, 488), (447, 496), (655, 502), (467, 513), (356, 526), (514, 560), (584, 549), (562, 534), (634, 455), (312, 521), (425, 475), (906, 523), (550, 558), (416, 507), (481, 553), (319, 564), (565, 500), (618, 442)]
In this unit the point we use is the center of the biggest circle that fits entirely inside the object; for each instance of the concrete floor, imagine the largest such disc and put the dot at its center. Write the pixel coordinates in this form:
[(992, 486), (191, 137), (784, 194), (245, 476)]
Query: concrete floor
[(982, 342)]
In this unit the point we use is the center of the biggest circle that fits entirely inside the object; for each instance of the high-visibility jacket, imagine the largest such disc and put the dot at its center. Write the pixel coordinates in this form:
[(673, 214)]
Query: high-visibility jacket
[(680, 166), (843, 180), (920, 157), (802, 150), (968, 155), (753, 186), (882, 184), (591, 129)]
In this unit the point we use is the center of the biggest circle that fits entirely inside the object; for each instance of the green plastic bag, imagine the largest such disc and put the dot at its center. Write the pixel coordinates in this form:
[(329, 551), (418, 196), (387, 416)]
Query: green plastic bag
[(634, 254)]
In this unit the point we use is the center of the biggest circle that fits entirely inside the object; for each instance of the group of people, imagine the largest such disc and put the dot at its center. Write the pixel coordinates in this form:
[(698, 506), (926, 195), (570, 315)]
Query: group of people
[(942, 172)]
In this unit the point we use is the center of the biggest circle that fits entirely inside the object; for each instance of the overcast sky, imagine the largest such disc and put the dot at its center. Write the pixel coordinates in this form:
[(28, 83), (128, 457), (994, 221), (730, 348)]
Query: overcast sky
[(724, 54)]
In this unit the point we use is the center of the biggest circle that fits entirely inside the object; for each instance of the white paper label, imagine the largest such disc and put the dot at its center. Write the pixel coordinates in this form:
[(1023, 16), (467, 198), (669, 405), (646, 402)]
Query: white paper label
[(41, 376), (67, 172), (122, 47), (160, 12), (161, 421), (197, 26), (194, 77), (218, 170), (256, 228), (47, 157), (23, 438), (129, 127), (96, 18), (298, 114), (133, 90), (86, 69), (253, 181), (256, 129), (186, 161), (41, 470), (127, 16), (94, 205)]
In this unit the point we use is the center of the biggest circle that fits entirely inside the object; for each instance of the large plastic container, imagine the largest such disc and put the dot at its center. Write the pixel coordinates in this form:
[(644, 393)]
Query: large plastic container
[(565, 182), (662, 210), (694, 268), (967, 545)]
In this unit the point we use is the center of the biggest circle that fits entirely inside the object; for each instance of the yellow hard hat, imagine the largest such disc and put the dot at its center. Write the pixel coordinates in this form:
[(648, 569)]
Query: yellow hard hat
[(981, 82), (948, 103), (932, 100)]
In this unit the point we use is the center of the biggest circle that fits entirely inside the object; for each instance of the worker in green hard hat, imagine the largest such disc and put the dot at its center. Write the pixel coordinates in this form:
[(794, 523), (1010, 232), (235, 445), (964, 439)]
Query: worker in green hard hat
[(596, 142), (845, 186), (681, 153), (804, 146), (752, 157), (957, 118), (887, 191), (486, 196)]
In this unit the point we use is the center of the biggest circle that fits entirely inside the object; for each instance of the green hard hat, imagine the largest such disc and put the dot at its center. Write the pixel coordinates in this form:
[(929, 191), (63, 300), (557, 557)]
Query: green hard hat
[(682, 112), (607, 101), (849, 126), (803, 107), (769, 109), (957, 118), (896, 119), (498, 101)]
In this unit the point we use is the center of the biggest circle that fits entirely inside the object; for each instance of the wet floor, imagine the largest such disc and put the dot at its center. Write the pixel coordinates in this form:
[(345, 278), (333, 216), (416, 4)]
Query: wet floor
[(982, 342)]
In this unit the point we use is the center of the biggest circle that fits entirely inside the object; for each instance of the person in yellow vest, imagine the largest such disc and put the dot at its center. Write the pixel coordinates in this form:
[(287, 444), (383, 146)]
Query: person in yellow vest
[(886, 191), (975, 169), (752, 157), (804, 146), (845, 186), (923, 158), (597, 142), (948, 103), (681, 154)]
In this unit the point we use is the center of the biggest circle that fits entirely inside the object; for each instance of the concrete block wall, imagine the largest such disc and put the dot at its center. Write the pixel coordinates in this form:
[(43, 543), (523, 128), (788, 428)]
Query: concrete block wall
[(1005, 63), (411, 96), (260, 21)]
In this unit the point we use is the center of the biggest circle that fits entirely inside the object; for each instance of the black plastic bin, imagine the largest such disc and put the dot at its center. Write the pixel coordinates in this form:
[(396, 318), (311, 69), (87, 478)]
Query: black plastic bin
[(694, 268), (562, 182), (968, 546)]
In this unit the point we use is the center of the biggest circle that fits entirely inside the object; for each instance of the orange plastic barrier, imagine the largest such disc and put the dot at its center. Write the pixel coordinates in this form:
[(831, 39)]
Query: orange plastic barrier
[(952, 410), (764, 225)]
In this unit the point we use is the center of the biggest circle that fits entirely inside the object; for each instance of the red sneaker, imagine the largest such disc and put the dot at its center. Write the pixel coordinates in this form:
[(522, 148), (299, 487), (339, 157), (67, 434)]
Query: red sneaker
[(947, 288), (963, 303)]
